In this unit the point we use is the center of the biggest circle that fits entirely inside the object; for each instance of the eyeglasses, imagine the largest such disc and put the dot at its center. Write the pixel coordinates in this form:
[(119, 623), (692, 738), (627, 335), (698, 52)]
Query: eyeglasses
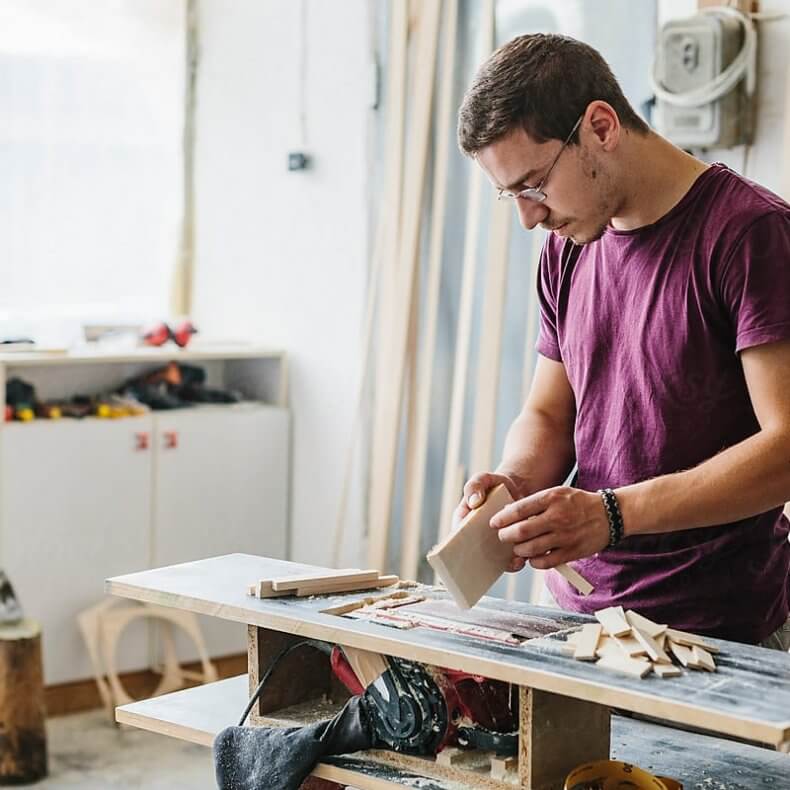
[(536, 194)]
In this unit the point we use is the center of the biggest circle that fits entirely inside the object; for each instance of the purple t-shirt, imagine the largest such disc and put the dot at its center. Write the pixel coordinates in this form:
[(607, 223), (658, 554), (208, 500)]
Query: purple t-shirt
[(648, 324)]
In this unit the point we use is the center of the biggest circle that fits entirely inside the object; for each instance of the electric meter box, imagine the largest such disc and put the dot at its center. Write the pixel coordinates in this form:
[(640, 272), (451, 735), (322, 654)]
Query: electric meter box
[(692, 52)]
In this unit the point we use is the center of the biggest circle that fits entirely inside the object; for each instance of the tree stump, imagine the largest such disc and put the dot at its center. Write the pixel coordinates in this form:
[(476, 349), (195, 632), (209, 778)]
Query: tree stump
[(23, 739)]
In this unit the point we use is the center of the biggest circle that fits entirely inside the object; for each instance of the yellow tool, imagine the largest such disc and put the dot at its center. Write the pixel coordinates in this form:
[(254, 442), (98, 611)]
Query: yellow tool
[(615, 775)]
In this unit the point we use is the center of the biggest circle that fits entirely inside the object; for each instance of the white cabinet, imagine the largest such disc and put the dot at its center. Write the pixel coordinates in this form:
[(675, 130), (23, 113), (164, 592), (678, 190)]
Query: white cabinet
[(82, 500), (219, 484), (76, 507)]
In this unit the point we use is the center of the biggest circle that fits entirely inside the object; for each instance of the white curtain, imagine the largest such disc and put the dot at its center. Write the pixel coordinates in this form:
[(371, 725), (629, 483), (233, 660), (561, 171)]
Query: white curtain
[(91, 124)]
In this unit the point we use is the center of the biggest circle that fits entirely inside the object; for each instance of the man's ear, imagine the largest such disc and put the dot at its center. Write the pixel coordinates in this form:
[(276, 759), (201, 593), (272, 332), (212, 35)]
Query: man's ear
[(601, 118)]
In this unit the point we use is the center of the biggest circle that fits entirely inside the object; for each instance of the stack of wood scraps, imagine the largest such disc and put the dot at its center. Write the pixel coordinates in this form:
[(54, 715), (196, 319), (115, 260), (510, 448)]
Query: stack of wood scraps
[(341, 581), (625, 641)]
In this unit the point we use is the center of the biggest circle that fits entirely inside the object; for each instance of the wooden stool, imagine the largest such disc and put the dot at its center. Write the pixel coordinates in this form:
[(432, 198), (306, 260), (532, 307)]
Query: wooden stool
[(23, 739)]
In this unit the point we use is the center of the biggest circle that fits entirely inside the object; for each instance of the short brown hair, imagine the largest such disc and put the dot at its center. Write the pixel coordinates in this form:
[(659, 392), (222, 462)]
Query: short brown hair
[(543, 83)]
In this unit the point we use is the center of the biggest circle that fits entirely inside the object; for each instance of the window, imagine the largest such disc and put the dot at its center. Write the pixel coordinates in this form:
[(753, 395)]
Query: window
[(91, 125)]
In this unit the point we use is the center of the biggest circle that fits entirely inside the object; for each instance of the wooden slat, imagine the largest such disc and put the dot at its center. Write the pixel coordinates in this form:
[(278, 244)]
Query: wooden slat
[(384, 244), (389, 400), (490, 349), (450, 493), (528, 369), (415, 490)]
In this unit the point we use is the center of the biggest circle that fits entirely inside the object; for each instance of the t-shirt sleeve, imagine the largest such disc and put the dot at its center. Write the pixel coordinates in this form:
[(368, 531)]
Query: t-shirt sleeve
[(755, 283), (548, 344)]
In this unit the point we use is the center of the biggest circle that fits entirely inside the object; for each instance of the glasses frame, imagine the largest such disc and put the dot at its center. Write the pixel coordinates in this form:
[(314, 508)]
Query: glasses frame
[(536, 194)]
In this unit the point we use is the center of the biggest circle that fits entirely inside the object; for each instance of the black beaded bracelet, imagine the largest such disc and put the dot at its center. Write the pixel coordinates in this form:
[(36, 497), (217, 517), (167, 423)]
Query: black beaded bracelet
[(612, 508)]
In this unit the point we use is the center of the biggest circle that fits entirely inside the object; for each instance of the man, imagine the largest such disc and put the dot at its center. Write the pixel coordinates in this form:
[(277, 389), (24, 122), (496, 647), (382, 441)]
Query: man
[(664, 354)]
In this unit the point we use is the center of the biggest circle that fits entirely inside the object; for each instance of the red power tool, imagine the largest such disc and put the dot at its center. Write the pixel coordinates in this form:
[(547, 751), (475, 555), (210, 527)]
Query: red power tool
[(419, 709)]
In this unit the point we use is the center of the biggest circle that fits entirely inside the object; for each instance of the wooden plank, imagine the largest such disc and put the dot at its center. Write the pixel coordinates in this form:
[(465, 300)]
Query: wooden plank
[(471, 560), (683, 654), (613, 620), (383, 247), (651, 647), (749, 697), (366, 664), (588, 643), (684, 638), (557, 734), (703, 658), (490, 343), (319, 579), (329, 588), (450, 493), (571, 575), (667, 670), (628, 666), (630, 647), (635, 620), (415, 491), (389, 401)]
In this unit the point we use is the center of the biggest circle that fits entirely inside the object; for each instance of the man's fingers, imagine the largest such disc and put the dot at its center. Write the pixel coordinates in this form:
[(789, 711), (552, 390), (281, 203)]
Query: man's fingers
[(551, 560), (522, 509), (534, 548), (516, 564), (523, 531), (477, 487)]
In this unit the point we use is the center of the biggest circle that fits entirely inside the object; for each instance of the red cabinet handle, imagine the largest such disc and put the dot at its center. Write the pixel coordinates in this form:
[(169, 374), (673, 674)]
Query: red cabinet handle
[(141, 440), (171, 440)]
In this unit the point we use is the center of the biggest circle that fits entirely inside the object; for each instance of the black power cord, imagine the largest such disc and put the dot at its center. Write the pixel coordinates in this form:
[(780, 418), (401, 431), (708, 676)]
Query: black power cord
[(322, 646)]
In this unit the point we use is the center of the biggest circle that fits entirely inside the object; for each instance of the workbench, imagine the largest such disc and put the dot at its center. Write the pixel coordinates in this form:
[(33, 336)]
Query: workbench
[(565, 704)]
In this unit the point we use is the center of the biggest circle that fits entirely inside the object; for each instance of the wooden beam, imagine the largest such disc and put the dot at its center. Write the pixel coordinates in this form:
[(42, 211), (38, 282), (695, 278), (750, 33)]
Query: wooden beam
[(490, 348), (537, 239), (389, 400), (415, 489), (384, 244), (450, 494)]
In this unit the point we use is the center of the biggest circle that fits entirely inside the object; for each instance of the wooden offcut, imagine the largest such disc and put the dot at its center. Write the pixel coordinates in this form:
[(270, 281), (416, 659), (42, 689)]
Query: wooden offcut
[(321, 583), (23, 739), (321, 580), (587, 644), (613, 620)]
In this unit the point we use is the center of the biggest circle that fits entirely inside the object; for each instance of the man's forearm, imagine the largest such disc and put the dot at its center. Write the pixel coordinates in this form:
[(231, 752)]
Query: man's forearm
[(749, 478), (538, 452)]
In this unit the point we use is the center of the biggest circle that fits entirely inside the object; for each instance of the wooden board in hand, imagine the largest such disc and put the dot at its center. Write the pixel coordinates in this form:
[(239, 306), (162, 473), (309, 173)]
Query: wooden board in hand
[(473, 557)]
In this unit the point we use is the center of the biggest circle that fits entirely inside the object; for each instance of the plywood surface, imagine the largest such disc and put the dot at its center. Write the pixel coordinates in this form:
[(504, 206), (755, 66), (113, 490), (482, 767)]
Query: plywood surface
[(198, 714), (749, 696)]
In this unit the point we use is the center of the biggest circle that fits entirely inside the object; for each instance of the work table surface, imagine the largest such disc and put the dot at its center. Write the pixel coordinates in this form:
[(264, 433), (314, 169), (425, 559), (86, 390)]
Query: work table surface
[(749, 695)]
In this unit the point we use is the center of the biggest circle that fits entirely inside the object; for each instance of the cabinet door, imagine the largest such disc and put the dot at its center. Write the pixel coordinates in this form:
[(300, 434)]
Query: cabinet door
[(76, 508), (221, 486)]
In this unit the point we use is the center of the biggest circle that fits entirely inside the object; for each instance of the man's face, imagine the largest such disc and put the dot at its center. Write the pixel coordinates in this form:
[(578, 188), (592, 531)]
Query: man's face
[(580, 194)]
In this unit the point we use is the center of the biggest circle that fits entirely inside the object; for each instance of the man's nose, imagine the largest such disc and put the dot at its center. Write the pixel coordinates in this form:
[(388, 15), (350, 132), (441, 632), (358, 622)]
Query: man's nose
[(530, 213)]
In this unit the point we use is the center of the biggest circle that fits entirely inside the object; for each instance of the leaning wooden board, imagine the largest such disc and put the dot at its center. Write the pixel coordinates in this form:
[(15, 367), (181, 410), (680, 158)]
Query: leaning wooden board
[(748, 697), (197, 715)]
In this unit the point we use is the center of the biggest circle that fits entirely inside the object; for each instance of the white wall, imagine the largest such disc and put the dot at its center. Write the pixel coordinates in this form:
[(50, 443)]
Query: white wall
[(767, 160), (280, 256)]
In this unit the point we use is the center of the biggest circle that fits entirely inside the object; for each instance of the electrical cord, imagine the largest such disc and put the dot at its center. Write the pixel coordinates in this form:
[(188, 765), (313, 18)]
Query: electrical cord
[(322, 646), (744, 64)]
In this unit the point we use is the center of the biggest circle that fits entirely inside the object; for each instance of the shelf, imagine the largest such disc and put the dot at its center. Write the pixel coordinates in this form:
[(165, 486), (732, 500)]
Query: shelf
[(165, 354), (197, 411), (198, 714)]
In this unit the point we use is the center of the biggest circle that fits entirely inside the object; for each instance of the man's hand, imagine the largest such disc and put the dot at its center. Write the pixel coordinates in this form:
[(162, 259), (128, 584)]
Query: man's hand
[(475, 493), (554, 526)]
